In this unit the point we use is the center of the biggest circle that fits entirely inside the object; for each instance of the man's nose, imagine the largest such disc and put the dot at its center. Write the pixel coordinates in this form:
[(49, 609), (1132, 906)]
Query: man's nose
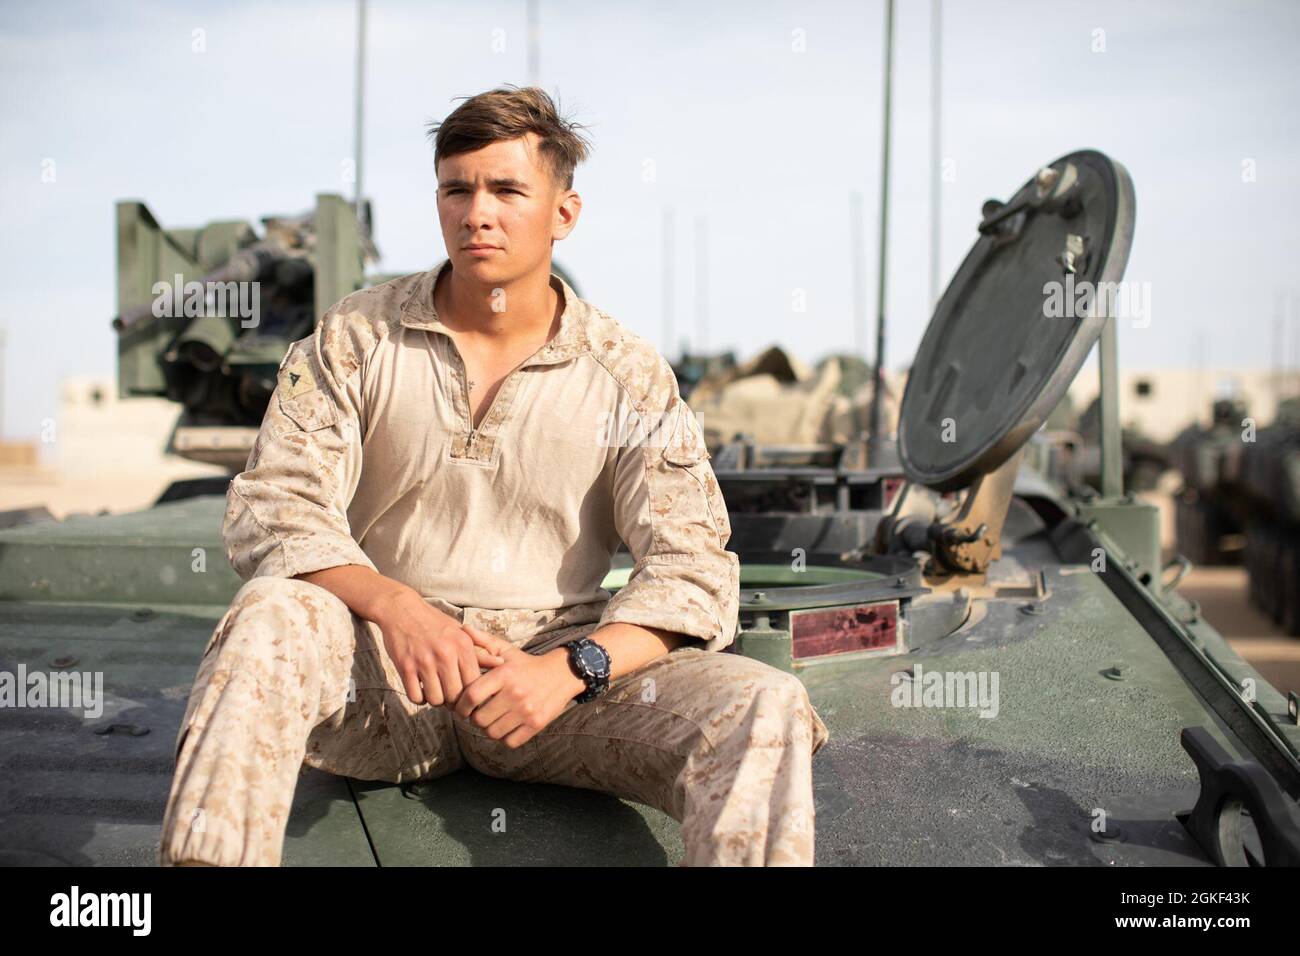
[(479, 210)]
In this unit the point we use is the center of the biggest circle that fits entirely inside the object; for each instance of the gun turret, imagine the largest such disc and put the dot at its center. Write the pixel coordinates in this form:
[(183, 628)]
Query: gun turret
[(205, 315)]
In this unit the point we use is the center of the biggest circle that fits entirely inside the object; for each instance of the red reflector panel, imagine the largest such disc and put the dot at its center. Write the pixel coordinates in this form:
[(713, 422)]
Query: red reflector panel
[(842, 630), (892, 486)]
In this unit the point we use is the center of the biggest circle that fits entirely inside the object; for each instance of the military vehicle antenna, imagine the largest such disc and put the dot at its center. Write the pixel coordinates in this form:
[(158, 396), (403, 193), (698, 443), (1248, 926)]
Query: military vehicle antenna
[(874, 440), (700, 342), (362, 218), (858, 246), (936, 161), (669, 286)]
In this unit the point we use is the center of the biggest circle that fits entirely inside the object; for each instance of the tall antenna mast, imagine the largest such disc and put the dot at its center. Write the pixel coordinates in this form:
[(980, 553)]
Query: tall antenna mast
[(874, 441), (701, 283), (670, 289), (1279, 359), (2, 381), (858, 250), (360, 111), (936, 157)]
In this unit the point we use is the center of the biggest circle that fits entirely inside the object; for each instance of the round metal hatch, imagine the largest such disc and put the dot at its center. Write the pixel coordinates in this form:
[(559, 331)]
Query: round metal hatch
[(1017, 321)]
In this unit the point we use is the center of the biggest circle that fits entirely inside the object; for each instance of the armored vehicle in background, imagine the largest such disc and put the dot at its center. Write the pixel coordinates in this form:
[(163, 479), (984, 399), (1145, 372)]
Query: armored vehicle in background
[(1067, 450), (1270, 480), (1008, 673), (206, 314), (1145, 459), (691, 368), (1211, 506)]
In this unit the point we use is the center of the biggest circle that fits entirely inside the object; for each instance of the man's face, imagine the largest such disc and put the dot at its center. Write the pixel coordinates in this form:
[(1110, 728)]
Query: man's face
[(502, 198)]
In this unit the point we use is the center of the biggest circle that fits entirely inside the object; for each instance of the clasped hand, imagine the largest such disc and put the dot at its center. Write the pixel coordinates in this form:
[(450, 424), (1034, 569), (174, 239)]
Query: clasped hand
[(514, 700), (507, 692)]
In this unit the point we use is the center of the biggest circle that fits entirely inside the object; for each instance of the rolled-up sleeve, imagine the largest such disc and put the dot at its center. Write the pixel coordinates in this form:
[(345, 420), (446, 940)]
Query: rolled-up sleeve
[(671, 515), (286, 513)]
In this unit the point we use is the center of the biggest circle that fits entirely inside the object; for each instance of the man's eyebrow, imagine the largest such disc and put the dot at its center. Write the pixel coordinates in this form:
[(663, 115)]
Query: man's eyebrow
[(496, 183)]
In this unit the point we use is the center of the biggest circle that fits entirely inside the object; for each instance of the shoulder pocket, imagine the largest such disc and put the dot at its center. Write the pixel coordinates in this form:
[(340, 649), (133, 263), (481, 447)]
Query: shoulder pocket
[(301, 395), (310, 410), (685, 446)]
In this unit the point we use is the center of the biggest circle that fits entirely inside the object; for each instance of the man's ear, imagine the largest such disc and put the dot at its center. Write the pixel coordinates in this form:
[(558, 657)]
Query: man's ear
[(567, 212)]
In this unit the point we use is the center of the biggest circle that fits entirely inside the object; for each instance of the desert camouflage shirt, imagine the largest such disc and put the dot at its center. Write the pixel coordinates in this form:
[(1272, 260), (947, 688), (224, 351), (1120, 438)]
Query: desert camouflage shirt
[(367, 456)]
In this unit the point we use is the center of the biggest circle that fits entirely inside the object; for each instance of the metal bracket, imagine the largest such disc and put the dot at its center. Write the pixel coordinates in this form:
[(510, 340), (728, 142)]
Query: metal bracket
[(972, 539), (967, 542)]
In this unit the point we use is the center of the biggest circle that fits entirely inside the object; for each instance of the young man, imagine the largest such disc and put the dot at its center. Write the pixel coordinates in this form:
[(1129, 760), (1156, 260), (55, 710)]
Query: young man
[(443, 475)]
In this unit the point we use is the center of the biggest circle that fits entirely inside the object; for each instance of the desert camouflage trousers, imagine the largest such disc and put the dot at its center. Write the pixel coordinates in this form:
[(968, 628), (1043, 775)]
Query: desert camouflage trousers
[(720, 742)]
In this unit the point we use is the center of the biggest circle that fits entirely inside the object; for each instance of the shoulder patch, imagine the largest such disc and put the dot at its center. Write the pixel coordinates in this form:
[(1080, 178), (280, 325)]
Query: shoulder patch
[(296, 379)]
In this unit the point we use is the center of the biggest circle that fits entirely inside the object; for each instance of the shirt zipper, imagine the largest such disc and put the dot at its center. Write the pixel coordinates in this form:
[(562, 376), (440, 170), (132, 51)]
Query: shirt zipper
[(469, 407)]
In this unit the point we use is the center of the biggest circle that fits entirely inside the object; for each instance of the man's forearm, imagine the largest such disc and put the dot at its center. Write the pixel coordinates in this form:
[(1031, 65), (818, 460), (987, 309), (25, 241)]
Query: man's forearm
[(630, 646), (367, 593)]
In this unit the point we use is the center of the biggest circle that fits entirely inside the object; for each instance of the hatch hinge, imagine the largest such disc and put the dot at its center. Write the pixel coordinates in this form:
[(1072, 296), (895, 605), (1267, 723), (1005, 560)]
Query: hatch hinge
[(966, 542)]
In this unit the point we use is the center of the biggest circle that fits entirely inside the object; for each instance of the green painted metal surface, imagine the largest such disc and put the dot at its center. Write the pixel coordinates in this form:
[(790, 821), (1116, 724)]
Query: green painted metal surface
[(169, 554), (1134, 526), (71, 796), (894, 784), (467, 819)]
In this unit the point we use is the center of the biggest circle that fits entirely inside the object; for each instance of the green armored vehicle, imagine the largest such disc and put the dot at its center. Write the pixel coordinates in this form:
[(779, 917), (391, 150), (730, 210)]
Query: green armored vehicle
[(205, 315), (692, 367), (1211, 504), (1009, 675), (1270, 482), (1068, 450)]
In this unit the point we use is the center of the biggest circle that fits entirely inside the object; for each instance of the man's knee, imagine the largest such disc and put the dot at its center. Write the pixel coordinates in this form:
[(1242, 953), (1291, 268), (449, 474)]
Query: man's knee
[(276, 622), (781, 692), (772, 705), (271, 592)]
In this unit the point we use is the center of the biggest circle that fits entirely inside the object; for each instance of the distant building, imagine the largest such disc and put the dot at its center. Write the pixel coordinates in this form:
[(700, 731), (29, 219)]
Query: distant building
[(1162, 402), (100, 453)]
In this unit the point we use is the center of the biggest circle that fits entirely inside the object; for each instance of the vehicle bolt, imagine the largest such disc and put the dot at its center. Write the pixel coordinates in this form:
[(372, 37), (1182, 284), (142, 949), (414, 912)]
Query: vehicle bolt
[(1112, 834), (135, 730), (1115, 672)]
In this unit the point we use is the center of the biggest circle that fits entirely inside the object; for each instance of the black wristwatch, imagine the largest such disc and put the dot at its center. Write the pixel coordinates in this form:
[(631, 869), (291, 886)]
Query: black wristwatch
[(590, 661)]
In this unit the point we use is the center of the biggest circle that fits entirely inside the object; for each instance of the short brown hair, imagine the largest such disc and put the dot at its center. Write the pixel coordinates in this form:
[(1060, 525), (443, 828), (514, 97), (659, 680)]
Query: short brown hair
[(508, 113)]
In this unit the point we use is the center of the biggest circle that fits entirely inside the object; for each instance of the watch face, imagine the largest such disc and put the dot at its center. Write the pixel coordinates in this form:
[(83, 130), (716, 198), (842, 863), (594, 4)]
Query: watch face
[(593, 659)]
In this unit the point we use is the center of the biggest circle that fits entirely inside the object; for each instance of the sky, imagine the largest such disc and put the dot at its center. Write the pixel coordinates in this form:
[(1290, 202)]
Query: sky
[(759, 118)]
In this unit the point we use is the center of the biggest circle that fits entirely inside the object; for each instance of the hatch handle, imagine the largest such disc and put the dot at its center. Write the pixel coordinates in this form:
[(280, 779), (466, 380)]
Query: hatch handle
[(1183, 566), (1055, 190)]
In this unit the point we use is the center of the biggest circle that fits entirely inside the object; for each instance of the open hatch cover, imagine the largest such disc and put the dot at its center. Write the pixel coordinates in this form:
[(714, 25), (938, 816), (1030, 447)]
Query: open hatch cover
[(996, 359)]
